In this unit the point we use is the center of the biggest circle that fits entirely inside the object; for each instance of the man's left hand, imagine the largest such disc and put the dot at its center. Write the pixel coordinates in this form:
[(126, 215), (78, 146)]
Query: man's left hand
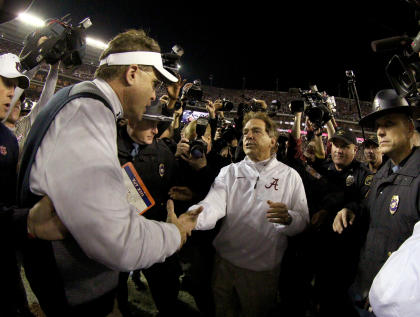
[(278, 213), (182, 193), (43, 222)]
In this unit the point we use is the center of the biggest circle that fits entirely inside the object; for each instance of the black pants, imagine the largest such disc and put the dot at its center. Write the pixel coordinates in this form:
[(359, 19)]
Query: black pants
[(163, 281)]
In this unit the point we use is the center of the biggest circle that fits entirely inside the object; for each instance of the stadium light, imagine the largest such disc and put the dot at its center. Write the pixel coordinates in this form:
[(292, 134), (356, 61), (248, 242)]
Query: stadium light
[(30, 19), (96, 43)]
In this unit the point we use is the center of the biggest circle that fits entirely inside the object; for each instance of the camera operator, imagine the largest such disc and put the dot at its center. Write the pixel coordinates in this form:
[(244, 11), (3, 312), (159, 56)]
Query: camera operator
[(23, 124)]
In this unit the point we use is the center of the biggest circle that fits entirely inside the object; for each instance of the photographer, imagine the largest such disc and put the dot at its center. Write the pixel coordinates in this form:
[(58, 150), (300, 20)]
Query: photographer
[(223, 134), (168, 130), (296, 276), (195, 154), (225, 143)]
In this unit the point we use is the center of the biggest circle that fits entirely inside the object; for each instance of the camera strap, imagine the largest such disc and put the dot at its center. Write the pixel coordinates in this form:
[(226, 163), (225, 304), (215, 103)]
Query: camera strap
[(40, 127)]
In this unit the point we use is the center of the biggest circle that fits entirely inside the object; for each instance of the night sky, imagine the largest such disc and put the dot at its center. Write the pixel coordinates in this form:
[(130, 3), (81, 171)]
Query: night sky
[(297, 42)]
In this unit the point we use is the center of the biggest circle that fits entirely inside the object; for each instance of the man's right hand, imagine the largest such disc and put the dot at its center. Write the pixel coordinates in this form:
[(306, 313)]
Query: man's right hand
[(43, 222), (318, 219), (185, 223), (343, 218)]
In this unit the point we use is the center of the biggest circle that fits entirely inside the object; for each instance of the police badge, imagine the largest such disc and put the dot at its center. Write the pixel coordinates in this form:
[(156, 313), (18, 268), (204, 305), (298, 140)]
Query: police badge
[(161, 169), (368, 180), (349, 180), (393, 206)]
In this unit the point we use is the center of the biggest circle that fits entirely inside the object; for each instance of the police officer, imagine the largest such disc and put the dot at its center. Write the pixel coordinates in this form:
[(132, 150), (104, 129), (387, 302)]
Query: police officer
[(393, 203), (157, 167), (373, 156), (348, 182)]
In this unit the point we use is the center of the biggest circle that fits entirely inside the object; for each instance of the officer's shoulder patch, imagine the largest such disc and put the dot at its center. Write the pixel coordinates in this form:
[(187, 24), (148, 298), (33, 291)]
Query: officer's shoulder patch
[(368, 180)]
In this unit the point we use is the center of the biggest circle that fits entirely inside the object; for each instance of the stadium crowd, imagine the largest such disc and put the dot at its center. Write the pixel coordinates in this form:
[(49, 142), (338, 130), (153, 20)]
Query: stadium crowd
[(263, 211)]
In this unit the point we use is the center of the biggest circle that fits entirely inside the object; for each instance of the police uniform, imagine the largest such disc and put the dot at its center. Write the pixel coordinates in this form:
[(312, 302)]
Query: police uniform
[(346, 188), (393, 205), (373, 140), (394, 209), (157, 167), (335, 254)]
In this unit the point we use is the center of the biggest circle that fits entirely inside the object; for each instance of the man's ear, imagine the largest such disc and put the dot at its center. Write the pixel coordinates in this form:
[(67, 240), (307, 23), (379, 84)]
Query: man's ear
[(273, 141), (130, 74), (410, 127)]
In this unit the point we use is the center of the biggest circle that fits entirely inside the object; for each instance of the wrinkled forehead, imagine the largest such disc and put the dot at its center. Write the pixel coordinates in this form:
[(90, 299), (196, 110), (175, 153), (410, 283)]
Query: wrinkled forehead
[(255, 123)]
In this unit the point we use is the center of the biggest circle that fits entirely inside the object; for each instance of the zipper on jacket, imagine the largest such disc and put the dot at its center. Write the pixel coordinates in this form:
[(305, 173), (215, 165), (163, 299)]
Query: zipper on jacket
[(258, 178)]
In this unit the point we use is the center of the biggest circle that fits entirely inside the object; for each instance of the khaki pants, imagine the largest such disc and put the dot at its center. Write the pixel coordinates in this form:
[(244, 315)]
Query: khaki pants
[(241, 292)]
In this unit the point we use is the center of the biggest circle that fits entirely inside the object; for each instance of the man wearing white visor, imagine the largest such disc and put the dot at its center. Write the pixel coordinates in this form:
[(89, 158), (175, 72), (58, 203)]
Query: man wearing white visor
[(76, 165)]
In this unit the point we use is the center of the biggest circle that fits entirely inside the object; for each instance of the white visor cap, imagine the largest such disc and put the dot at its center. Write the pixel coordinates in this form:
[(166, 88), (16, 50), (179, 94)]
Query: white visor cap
[(140, 58), (10, 68)]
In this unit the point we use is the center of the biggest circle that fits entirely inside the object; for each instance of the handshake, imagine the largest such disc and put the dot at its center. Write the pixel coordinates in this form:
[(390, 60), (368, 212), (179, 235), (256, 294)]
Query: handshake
[(44, 223), (185, 222)]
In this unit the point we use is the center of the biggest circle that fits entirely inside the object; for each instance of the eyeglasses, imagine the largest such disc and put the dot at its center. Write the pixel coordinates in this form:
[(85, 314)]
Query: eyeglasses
[(157, 84)]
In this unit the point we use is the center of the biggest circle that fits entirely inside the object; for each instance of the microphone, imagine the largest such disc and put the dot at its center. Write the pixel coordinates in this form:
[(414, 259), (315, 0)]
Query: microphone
[(390, 44)]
